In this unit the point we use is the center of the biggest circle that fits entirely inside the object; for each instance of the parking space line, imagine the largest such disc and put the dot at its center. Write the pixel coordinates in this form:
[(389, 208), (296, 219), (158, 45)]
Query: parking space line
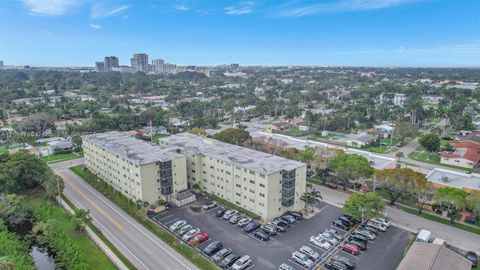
[(165, 217), (171, 221)]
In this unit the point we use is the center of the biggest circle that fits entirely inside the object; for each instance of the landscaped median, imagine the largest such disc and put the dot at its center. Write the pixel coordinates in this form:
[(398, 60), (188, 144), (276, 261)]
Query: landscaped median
[(139, 215)]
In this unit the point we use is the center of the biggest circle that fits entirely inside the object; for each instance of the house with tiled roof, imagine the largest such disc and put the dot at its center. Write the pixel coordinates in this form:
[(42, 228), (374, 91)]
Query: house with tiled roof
[(466, 154)]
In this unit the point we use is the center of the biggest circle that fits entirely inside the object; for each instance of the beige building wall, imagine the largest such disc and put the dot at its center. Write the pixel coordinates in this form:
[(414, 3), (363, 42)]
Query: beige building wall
[(256, 192), (460, 162), (137, 182)]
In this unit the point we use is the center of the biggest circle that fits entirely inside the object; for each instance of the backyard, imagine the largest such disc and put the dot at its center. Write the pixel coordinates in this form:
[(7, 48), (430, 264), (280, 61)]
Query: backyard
[(62, 157)]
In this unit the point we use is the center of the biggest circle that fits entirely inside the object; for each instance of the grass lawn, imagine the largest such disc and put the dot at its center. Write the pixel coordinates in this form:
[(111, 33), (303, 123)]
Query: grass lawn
[(432, 158), (95, 257), (129, 207), (435, 218), (156, 138), (62, 157)]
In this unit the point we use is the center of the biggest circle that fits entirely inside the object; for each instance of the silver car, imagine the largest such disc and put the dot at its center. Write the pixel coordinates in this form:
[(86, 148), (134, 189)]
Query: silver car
[(190, 234)]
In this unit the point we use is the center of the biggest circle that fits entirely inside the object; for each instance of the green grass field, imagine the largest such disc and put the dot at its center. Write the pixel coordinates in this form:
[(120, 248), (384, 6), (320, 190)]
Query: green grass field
[(95, 257), (62, 157)]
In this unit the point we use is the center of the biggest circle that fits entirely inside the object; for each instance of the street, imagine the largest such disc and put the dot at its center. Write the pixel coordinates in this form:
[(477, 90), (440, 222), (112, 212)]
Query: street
[(139, 245), (456, 237)]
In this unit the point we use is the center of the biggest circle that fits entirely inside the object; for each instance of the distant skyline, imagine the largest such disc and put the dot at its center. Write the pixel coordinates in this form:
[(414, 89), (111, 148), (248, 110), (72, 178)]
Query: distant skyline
[(423, 33)]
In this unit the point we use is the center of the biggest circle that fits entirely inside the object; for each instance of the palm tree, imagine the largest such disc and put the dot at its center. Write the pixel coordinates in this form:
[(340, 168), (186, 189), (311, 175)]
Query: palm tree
[(399, 155), (309, 198), (82, 218)]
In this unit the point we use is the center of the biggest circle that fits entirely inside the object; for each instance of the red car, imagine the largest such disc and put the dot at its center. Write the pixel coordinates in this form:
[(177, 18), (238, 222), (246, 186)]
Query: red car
[(198, 239), (350, 248), (332, 185)]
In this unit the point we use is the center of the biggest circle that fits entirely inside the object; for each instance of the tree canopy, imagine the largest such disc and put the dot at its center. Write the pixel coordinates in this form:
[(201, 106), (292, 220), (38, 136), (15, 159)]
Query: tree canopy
[(364, 205), (349, 167), (453, 199), (232, 135), (430, 142), (405, 130), (398, 181)]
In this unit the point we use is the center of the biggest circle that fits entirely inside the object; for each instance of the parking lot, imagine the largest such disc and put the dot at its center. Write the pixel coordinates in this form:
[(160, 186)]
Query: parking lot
[(384, 253)]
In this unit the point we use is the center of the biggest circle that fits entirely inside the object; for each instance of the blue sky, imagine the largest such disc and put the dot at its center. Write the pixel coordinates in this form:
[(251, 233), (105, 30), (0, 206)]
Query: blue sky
[(323, 32)]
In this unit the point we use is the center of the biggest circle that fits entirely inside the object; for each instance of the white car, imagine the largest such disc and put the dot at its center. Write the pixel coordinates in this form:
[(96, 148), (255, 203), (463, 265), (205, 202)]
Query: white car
[(177, 225), (320, 242), (184, 229), (329, 237), (334, 233), (242, 263), (378, 226), (243, 222), (229, 214), (302, 259), (312, 254), (382, 221), (190, 234)]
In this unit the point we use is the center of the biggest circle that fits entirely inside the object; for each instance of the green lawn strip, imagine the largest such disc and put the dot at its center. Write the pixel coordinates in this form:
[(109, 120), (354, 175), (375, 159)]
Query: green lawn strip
[(315, 181), (130, 207), (62, 157), (103, 238), (234, 206), (439, 219), (44, 211)]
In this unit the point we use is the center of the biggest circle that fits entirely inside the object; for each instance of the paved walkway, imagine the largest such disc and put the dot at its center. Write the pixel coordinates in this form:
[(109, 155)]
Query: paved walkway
[(456, 237)]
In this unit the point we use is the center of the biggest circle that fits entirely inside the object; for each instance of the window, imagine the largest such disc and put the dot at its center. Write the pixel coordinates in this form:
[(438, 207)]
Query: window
[(262, 195), (238, 185), (262, 185), (252, 182)]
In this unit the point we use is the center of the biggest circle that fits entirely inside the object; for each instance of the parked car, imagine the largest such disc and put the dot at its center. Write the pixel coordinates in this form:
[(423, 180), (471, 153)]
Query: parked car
[(209, 205), (177, 224), (329, 237), (346, 221), (212, 248), (320, 242), (184, 229), (229, 214), (261, 235), (221, 254), (242, 263), (269, 229), (359, 237), (366, 233), (344, 260), (349, 248), (335, 265), (290, 219), (281, 226), (472, 256), (361, 245), (234, 219), (190, 234), (252, 226), (285, 266), (228, 261), (297, 215), (370, 229), (332, 185), (340, 224), (377, 226), (244, 221), (382, 221), (334, 233), (352, 219), (312, 254), (198, 239), (302, 259), (220, 212)]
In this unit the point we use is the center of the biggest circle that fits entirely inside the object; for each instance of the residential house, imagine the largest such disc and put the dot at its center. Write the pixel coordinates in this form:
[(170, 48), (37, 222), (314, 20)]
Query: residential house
[(359, 140), (449, 178), (62, 125), (466, 154), (433, 257), (62, 146)]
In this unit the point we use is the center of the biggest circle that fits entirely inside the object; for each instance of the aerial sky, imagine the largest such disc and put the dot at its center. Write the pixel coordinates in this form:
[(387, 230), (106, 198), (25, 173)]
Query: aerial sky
[(200, 32)]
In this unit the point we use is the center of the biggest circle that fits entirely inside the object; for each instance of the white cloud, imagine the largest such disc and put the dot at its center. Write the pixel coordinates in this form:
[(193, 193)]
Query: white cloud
[(99, 11), (181, 7), (51, 7), (95, 26), (241, 9), (340, 6)]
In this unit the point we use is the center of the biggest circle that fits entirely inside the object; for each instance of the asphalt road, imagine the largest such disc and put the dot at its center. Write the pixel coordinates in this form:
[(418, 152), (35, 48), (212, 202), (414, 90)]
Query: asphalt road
[(140, 246)]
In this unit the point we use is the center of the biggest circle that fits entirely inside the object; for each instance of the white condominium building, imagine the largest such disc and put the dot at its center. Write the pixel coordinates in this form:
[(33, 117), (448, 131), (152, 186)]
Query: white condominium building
[(138, 169), (262, 183)]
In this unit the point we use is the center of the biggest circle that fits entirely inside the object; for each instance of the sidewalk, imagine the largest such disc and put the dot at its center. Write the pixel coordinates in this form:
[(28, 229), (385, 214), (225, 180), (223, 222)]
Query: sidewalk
[(456, 237)]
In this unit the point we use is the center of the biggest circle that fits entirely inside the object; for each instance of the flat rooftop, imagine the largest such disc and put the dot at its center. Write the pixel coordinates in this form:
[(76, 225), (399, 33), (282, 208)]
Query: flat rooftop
[(244, 157), (377, 161), (454, 179), (135, 150)]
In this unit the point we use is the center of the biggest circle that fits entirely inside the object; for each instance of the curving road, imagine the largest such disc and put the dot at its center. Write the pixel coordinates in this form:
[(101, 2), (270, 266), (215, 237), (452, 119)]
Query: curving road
[(139, 245)]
